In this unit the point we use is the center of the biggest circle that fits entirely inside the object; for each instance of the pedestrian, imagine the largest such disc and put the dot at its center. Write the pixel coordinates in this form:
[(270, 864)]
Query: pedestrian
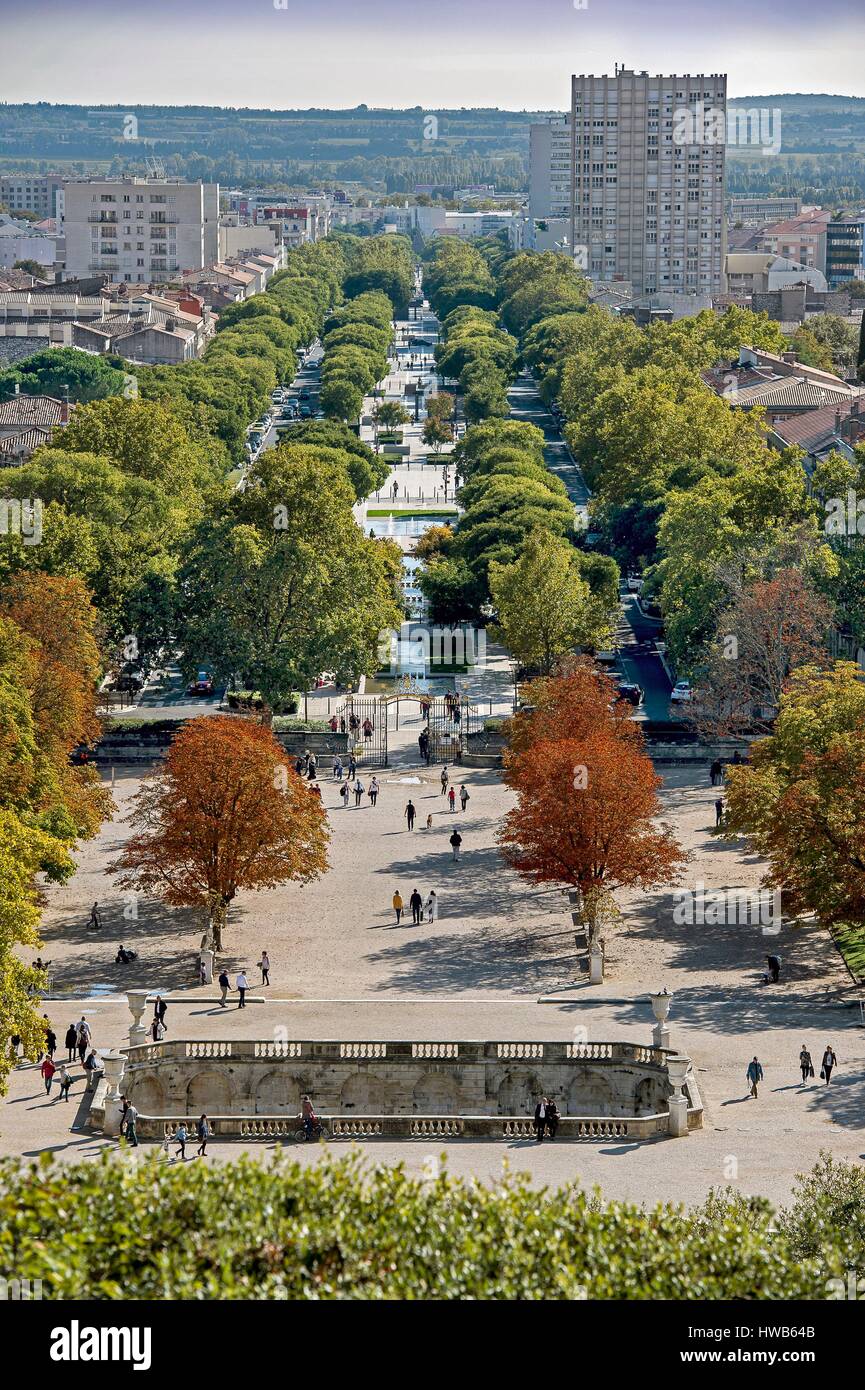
[(241, 984), (50, 1042), (540, 1119), (316, 790), (157, 1031), (14, 1044), (374, 790), (264, 967), (65, 1081), (452, 799), (444, 779), (96, 917), (336, 770), (83, 1037), (754, 1075), (806, 1066), (552, 1118), (203, 1132), (129, 1122), (48, 1069), (464, 798), (160, 1008), (311, 768), (225, 986), (344, 793), (334, 723), (342, 725), (359, 790), (715, 772), (719, 811), (432, 906), (352, 767), (410, 813), (94, 1068), (367, 729), (397, 905), (71, 1042), (456, 841), (830, 1062), (774, 964), (415, 902), (180, 1137), (299, 766)]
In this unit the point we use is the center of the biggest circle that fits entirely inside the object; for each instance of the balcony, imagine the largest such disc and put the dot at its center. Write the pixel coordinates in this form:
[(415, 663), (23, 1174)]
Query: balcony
[(102, 217), (163, 218)]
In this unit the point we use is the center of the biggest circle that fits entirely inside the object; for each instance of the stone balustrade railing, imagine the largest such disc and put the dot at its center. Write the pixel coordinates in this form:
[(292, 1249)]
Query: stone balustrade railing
[(252, 1127), (397, 1051)]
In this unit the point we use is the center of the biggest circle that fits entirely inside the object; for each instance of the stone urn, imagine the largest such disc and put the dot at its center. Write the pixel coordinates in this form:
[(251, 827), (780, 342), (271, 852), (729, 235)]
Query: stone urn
[(677, 1071), (137, 1001), (661, 1008), (113, 1064)]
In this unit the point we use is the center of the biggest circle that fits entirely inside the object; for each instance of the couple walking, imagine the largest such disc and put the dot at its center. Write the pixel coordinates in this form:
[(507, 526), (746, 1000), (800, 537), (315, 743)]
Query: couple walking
[(418, 906), (806, 1066)]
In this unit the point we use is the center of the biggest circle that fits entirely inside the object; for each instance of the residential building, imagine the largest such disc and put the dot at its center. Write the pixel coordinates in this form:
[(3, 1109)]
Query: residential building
[(844, 255), (835, 428), (647, 170), (241, 238), (26, 423), (753, 212), (32, 193), (794, 304), (780, 384), (760, 272), (550, 168), (140, 230), (22, 241), (800, 239)]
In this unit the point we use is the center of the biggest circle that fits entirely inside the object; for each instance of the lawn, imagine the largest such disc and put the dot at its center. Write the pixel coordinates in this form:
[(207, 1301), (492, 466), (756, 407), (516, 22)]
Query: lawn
[(850, 941)]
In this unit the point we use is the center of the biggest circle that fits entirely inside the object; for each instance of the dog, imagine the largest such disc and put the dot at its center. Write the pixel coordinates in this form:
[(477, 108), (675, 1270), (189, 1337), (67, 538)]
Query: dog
[(429, 821)]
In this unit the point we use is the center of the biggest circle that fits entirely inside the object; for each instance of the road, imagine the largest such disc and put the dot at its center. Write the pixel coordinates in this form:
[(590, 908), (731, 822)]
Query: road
[(638, 661), (307, 379), (526, 405)]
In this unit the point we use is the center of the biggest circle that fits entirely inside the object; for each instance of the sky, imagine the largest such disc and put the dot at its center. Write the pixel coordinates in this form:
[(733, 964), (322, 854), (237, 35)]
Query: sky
[(516, 54)]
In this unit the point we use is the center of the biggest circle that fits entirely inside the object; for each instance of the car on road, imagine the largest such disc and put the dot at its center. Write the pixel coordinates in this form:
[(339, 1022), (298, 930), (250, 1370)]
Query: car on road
[(681, 693), (635, 583), (306, 412), (304, 393), (202, 685), (606, 658), (630, 691)]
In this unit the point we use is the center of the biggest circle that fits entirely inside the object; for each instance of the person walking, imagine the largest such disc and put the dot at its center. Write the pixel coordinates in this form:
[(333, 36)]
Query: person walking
[(180, 1136), (806, 1066), (48, 1069), (754, 1075), (374, 790), (157, 1032), (71, 1042), (203, 1132), (464, 798), (352, 767), (264, 967), (432, 906), (311, 768), (410, 814), (415, 902), (50, 1042), (397, 905), (241, 984), (83, 1034), (344, 793), (444, 779), (540, 1119), (225, 986), (160, 1009), (129, 1122), (774, 964), (829, 1063), (715, 772), (719, 811), (65, 1081), (359, 790), (456, 841), (452, 799), (336, 770), (96, 917)]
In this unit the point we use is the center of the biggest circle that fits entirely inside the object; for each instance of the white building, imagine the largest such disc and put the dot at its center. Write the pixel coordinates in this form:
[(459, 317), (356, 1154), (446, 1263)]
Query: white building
[(647, 161), (550, 168), (21, 241), (760, 272), (140, 230)]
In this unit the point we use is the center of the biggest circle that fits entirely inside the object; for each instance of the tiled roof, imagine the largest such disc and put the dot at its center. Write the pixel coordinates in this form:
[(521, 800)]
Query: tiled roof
[(791, 391), (31, 410), (813, 426), (23, 440)]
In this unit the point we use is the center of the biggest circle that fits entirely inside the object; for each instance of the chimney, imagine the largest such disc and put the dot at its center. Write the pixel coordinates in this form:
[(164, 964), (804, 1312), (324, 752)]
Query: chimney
[(788, 356), (837, 422)]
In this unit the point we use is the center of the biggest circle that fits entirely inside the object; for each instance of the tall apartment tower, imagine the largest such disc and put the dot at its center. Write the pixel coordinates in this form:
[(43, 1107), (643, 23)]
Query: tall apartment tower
[(647, 170), (550, 168), (141, 230)]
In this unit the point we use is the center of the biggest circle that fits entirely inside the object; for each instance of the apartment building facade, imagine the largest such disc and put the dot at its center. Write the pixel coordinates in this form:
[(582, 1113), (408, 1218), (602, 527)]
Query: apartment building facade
[(140, 230), (647, 171), (844, 251), (36, 193), (754, 212), (550, 169)]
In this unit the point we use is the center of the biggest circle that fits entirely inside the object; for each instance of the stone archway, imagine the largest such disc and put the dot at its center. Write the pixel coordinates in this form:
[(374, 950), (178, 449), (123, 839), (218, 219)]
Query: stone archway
[(590, 1094), (519, 1093), (278, 1093), (149, 1096), (436, 1093), (649, 1096), (209, 1092), (363, 1092)]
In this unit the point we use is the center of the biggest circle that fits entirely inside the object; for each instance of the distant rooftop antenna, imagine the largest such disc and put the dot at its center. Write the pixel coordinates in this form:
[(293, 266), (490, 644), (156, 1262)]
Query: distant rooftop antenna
[(155, 166)]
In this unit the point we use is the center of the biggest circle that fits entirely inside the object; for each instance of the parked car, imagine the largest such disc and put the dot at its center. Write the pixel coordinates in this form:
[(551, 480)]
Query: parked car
[(629, 690), (635, 583), (202, 685), (304, 393), (608, 658), (306, 412), (681, 693)]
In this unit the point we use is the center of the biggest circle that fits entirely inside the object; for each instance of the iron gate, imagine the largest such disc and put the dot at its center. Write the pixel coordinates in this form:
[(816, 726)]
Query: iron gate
[(364, 719)]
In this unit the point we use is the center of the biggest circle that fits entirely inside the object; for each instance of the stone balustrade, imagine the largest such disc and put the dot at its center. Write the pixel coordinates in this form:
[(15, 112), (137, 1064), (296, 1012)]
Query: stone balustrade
[(400, 1051), (427, 1127)]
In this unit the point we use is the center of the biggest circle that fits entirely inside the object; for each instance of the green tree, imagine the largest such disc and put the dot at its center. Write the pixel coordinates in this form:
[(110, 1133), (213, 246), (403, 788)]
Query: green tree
[(544, 609)]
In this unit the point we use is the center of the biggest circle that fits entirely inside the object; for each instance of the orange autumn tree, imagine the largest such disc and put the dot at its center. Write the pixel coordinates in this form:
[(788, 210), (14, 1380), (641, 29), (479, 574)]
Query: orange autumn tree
[(587, 794), (225, 813), (60, 651)]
